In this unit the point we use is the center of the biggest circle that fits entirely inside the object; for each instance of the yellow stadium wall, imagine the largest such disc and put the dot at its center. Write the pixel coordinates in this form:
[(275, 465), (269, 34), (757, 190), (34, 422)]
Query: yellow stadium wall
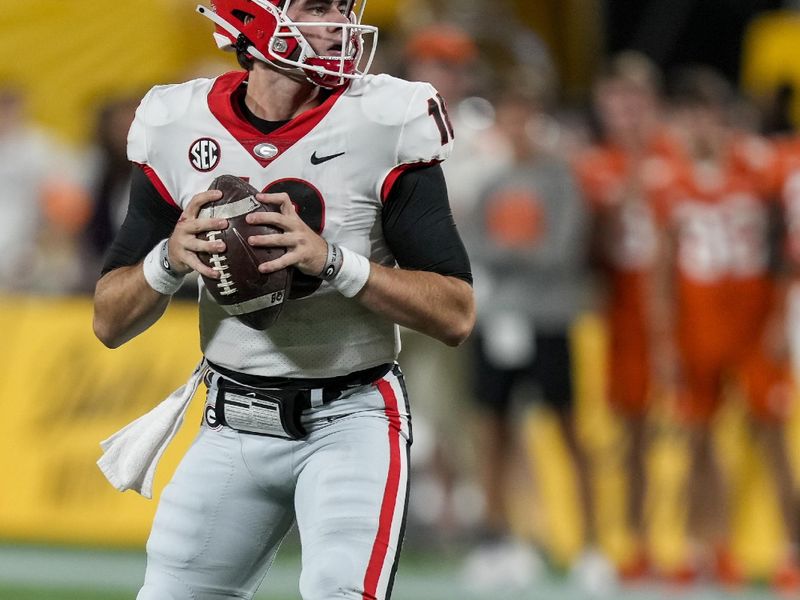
[(769, 57), (69, 55), (63, 392)]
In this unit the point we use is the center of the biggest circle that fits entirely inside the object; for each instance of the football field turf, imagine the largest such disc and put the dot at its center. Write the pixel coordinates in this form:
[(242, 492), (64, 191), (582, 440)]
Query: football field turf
[(35, 573)]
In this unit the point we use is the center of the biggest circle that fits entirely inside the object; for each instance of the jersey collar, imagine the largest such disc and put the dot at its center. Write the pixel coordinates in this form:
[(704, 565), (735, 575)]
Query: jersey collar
[(223, 106)]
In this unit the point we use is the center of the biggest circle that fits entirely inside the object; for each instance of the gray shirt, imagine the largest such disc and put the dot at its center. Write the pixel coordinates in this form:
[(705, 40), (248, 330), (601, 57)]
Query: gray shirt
[(528, 242)]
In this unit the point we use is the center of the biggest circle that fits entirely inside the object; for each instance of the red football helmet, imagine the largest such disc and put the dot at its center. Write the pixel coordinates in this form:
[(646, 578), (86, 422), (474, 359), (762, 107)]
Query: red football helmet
[(262, 29)]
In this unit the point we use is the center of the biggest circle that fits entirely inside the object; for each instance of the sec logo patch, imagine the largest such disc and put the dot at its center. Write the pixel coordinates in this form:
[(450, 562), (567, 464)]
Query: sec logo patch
[(204, 154)]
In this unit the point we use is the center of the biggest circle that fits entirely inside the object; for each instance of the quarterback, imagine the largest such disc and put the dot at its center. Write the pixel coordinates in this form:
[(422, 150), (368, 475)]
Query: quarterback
[(351, 161)]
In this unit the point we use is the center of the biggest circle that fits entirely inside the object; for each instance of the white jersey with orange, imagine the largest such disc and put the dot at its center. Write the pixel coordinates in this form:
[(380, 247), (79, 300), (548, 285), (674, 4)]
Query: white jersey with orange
[(337, 162)]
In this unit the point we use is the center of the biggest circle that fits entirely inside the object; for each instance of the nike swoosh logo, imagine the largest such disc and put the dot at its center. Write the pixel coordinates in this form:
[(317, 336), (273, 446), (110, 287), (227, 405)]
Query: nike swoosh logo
[(318, 160)]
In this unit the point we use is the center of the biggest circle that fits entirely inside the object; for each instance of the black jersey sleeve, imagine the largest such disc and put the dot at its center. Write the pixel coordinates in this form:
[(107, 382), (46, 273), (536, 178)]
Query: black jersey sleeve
[(150, 219), (419, 228)]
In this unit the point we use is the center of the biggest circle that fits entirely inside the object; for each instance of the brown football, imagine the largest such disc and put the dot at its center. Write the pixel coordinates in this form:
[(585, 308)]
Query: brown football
[(243, 291)]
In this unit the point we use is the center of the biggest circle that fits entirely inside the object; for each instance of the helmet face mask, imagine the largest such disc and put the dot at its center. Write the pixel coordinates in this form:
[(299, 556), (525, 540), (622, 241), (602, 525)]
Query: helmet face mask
[(263, 30)]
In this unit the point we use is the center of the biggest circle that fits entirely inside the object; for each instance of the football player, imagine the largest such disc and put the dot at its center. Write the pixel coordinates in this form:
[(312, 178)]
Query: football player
[(528, 243), (622, 176), (726, 261), (351, 160)]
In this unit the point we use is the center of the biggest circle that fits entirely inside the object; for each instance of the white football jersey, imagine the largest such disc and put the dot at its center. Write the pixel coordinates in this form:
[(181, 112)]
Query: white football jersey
[(337, 162)]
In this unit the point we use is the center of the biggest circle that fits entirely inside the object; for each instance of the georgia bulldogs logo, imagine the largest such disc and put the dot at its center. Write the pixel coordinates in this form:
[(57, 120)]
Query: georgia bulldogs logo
[(211, 418), (204, 154)]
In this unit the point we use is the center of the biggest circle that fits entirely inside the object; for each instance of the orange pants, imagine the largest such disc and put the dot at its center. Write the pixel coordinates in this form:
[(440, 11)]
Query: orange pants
[(765, 383)]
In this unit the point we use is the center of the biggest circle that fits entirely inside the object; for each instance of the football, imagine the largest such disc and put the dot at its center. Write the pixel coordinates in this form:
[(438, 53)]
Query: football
[(243, 291)]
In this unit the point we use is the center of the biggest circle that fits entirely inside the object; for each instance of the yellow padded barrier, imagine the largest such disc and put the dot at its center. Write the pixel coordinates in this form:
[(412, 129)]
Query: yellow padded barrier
[(69, 55)]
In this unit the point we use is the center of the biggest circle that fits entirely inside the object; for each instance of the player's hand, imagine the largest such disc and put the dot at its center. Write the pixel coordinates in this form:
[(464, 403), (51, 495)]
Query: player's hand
[(184, 244), (305, 249)]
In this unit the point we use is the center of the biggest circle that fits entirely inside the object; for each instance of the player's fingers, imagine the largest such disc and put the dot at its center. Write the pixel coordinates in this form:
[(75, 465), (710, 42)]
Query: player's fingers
[(275, 219), (281, 199), (194, 244), (196, 203), (195, 226), (276, 265), (271, 240), (195, 263)]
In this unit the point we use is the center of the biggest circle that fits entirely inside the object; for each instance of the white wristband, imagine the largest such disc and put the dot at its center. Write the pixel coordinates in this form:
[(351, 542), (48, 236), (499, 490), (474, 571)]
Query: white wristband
[(353, 275), (157, 271)]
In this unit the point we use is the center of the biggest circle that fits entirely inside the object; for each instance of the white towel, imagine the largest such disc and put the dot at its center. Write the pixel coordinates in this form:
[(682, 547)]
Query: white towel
[(131, 455)]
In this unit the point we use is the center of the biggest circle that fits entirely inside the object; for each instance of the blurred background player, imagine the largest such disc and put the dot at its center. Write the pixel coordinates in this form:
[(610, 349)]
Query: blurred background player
[(528, 243), (729, 334), (110, 182), (42, 203), (447, 501), (447, 56), (633, 158), (788, 151), (788, 180)]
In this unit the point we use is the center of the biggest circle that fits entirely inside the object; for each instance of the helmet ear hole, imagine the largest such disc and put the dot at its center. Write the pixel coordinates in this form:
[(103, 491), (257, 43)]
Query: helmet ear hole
[(243, 16)]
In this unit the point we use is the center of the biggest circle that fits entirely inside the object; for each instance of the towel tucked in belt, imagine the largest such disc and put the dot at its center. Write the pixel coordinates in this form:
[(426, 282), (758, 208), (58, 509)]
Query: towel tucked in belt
[(131, 455)]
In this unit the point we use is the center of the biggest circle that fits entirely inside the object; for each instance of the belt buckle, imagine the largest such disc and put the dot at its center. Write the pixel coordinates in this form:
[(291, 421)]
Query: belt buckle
[(274, 413), (261, 415)]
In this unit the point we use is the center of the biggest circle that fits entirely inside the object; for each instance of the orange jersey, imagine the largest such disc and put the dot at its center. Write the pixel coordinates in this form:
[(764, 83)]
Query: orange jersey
[(724, 289), (720, 216), (624, 193), (627, 188)]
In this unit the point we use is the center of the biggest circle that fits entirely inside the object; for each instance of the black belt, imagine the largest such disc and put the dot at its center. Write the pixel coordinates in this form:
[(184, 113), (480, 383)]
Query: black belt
[(332, 387), (273, 406)]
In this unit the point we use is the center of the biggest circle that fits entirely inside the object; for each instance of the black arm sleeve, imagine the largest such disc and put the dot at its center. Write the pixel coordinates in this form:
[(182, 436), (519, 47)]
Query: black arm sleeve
[(150, 219), (419, 227)]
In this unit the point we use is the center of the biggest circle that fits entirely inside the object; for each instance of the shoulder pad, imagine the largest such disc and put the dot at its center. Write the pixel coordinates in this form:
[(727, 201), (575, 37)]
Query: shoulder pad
[(415, 110), (161, 106)]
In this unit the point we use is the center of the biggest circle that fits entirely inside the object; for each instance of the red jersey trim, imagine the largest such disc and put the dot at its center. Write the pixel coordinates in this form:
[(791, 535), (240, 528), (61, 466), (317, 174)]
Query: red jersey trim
[(393, 175), (224, 109), (159, 185), (377, 559)]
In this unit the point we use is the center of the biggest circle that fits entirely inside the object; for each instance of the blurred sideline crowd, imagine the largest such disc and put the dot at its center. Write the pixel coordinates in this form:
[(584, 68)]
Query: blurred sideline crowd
[(668, 204)]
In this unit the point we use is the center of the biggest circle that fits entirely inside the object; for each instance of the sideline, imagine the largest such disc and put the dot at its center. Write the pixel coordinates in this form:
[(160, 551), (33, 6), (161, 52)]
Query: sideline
[(49, 567)]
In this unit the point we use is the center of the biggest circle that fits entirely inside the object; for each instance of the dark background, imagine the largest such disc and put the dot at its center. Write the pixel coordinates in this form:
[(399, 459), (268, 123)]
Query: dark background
[(675, 32)]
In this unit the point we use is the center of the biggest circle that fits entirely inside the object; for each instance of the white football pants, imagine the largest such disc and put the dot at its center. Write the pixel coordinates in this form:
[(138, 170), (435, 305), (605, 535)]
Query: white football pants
[(235, 496)]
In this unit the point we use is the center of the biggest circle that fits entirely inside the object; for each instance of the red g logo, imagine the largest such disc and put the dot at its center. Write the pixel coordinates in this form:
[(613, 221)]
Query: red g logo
[(204, 154)]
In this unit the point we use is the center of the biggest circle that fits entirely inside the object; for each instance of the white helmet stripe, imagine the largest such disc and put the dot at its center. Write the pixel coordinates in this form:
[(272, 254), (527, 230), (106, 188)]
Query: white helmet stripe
[(230, 29), (218, 20)]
